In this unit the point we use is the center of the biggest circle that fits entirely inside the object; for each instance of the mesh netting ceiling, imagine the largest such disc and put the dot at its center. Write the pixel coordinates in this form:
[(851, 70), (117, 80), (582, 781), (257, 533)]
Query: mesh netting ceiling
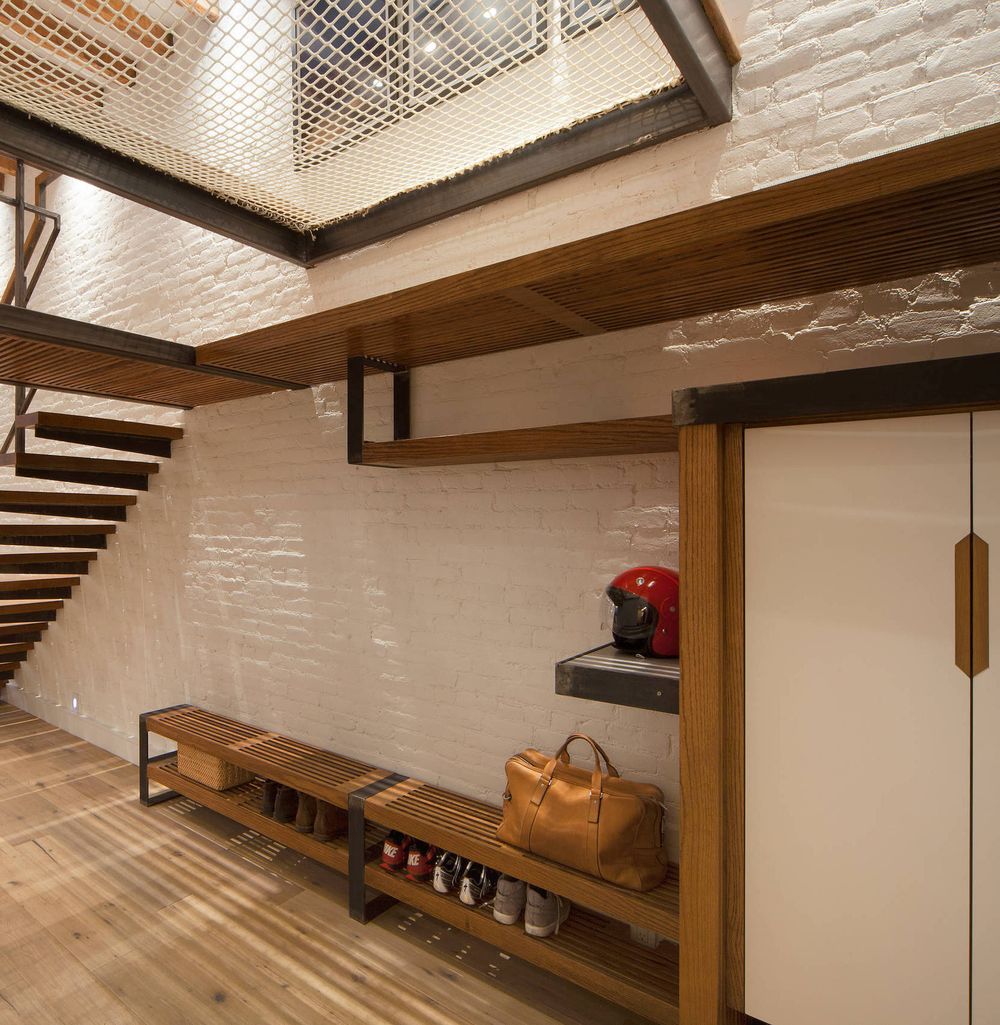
[(313, 111)]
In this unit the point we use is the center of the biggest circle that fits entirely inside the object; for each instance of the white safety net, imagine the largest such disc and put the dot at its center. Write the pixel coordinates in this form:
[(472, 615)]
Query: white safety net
[(311, 111)]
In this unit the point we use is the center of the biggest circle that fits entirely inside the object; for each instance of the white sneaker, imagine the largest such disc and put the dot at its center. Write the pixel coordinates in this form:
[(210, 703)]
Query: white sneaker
[(509, 900), (544, 912)]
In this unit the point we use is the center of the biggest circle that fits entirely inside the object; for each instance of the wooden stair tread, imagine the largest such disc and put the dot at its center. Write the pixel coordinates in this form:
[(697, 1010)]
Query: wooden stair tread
[(30, 581), (61, 529), (7, 629), (563, 441), (446, 819), (43, 461), (65, 533), (29, 605), (7, 648), (322, 773), (64, 498), (9, 667), (69, 555), (98, 425)]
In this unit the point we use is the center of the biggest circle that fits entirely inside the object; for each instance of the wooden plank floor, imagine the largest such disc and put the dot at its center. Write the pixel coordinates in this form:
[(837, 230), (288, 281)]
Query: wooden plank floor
[(112, 914)]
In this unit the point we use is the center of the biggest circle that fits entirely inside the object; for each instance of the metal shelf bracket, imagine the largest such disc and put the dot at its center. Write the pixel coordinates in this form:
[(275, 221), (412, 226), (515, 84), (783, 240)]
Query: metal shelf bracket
[(356, 367)]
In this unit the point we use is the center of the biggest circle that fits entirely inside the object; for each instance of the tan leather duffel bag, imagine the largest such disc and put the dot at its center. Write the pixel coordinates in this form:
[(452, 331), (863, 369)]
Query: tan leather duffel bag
[(596, 822)]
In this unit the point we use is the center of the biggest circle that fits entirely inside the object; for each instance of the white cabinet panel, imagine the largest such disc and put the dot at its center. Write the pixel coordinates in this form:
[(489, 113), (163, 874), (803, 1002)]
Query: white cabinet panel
[(986, 738), (857, 724)]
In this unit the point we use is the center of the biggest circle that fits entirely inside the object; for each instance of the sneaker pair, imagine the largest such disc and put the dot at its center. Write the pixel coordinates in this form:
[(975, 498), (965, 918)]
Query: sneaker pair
[(399, 851), (476, 884), (448, 871), (544, 912)]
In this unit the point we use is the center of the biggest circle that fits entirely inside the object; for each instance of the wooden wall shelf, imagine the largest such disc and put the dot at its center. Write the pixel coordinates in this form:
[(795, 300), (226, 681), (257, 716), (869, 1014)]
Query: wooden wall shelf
[(633, 436), (620, 678)]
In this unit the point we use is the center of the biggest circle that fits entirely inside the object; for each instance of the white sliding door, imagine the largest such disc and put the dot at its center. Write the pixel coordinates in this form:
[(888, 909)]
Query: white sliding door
[(857, 724), (986, 738)]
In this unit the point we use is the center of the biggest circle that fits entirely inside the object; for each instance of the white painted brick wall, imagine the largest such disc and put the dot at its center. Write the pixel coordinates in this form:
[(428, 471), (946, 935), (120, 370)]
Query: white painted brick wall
[(413, 617)]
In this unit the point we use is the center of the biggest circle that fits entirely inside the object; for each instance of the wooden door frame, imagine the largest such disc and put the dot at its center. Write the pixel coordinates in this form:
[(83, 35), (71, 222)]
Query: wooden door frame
[(711, 423), (711, 724)]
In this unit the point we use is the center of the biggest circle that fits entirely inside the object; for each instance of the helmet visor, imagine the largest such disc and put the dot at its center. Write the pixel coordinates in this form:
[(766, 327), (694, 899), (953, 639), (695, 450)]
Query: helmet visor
[(634, 618)]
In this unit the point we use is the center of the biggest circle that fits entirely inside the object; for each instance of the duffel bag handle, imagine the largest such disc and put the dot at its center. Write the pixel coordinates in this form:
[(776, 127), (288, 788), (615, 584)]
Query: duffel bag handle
[(563, 753), (596, 778)]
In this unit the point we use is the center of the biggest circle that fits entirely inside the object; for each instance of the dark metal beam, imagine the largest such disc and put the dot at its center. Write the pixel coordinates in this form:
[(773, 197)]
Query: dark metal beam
[(688, 35), (936, 385), (645, 123), (76, 334), (45, 146)]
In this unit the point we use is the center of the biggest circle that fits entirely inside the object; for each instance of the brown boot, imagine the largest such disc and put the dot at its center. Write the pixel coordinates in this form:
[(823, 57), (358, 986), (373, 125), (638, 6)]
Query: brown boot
[(286, 804), (267, 798), (307, 813), (330, 821)]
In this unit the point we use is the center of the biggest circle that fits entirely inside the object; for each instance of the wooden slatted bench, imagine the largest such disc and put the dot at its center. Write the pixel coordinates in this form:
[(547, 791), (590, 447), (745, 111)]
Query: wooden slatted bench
[(593, 948)]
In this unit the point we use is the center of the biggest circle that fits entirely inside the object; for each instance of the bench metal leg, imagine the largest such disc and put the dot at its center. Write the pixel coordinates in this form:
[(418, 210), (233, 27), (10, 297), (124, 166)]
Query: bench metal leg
[(363, 909), (145, 761)]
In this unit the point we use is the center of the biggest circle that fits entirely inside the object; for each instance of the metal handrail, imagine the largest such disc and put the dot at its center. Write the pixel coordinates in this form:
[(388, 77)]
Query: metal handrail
[(23, 288), (22, 400)]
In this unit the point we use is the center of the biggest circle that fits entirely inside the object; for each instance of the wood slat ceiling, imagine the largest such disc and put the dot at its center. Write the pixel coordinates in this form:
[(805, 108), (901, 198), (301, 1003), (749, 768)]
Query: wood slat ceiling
[(913, 211), (47, 365)]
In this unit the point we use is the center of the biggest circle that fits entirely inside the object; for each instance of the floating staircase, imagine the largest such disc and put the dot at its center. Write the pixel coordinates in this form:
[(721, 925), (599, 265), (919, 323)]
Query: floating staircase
[(45, 549)]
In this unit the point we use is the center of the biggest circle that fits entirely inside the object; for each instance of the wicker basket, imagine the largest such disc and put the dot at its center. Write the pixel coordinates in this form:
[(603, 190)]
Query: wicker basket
[(208, 770)]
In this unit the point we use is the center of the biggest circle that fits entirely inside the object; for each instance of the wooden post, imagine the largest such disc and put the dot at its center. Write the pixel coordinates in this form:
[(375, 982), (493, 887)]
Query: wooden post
[(711, 556)]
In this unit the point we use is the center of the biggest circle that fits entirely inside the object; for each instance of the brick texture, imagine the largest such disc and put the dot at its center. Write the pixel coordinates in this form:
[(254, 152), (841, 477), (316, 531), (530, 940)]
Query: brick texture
[(413, 617)]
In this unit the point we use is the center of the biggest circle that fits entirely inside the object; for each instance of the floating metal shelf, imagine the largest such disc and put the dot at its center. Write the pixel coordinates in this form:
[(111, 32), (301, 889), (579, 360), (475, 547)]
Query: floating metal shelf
[(621, 678)]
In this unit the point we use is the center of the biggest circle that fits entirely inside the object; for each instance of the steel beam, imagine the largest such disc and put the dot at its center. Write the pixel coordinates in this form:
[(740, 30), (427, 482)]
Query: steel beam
[(77, 334), (689, 37), (45, 146), (645, 123), (939, 385)]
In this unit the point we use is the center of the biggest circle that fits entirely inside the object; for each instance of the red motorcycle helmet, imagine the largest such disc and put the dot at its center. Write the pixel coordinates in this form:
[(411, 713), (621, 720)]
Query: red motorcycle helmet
[(646, 618)]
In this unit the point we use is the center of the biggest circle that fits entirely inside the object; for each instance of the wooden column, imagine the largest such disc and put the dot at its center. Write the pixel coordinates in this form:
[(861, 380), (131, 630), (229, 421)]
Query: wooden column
[(711, 724)]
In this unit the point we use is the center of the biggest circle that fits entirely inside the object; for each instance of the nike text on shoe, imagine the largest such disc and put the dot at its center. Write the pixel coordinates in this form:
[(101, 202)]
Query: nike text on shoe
[(420, 861), (394, 852)]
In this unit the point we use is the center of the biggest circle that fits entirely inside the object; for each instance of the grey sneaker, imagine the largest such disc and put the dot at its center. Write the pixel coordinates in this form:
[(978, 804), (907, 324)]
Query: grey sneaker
[(544, 912), (509, 901)]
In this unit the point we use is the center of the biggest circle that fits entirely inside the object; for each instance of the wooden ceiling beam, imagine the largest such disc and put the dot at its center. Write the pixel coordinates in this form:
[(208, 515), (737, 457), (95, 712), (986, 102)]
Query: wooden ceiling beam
[(914, 211), (124, 18), (65, 41)]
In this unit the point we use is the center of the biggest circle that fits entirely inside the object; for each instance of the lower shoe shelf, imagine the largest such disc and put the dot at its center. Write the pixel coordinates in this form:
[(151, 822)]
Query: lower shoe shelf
[(242, 804), (590, 950)]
